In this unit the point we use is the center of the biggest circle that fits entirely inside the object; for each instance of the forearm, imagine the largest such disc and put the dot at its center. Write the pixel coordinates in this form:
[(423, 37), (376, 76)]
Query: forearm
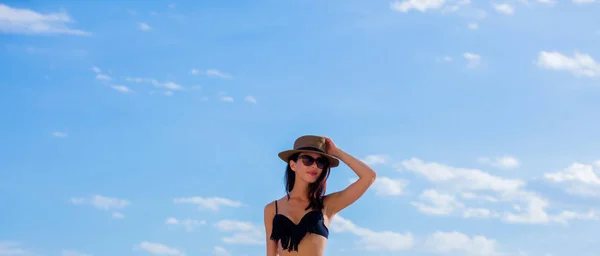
[(359, 167)]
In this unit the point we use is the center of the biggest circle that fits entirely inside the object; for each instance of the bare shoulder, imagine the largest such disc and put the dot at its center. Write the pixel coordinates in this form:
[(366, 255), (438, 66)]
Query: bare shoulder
[(270, 208)]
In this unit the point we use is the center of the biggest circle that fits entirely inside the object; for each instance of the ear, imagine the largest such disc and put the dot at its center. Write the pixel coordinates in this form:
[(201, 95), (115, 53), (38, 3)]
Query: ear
[(293, 165)]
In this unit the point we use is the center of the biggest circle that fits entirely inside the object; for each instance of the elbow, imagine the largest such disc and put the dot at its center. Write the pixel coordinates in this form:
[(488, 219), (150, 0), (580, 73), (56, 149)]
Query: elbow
[(371, 176)]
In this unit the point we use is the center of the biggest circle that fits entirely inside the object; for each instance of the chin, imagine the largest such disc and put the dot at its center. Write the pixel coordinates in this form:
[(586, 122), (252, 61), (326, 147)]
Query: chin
[(312, 180)]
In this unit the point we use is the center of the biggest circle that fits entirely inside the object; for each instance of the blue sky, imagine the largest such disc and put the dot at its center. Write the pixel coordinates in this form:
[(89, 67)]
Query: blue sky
[(152, 128)]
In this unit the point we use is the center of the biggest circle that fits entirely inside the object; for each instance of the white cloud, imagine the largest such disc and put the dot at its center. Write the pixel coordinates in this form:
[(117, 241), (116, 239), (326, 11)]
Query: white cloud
[(59, 134), (11, 248), (473, 26), (188, 224), (106, 80), (101, 202), (144, 27), (243, 232), (375, 159), (72, 253), (373, 240), (467, 182), (584, 1), (462, 178), (503, 162), (118, 215), (227, 99), (479, 213), (565, 216), (103, 77), (504, 8), (121, 88), (385, 186), (158, 249), (473, 196), (212, 73), (578, 179), (439, 203), (220, 251), (579, 64), (420, 5), (459, 243), (548, 2), (211, 203), (166, 85), (29, 22), (473, 60), (445, 59), (250, 99), (444, 6)]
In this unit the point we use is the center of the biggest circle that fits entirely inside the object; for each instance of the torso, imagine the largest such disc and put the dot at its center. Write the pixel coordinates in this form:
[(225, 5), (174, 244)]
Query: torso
[(311, 229)]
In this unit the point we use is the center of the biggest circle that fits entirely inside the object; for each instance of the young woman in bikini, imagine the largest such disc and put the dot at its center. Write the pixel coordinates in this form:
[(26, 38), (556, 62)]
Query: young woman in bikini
[(297, 223)]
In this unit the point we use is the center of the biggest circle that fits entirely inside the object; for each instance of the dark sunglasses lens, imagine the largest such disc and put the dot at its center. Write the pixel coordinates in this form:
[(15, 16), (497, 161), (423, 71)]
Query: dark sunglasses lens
[(307, 160), (322, 162)]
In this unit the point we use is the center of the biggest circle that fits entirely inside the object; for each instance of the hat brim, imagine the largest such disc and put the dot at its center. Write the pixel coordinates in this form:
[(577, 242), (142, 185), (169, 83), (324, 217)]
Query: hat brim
[(285, 155)]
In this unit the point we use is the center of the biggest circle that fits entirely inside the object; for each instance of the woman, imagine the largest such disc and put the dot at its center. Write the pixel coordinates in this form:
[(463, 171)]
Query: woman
[(297, 224)]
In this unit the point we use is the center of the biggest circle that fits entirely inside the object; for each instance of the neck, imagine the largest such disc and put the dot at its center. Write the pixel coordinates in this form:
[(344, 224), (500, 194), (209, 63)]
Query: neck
[(300, 190)]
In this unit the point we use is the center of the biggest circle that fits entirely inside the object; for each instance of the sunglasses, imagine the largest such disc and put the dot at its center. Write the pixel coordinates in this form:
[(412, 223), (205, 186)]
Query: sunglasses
[(309, 160)]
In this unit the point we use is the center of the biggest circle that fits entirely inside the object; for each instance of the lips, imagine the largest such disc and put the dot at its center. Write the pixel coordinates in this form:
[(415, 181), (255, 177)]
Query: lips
[(313, 173)]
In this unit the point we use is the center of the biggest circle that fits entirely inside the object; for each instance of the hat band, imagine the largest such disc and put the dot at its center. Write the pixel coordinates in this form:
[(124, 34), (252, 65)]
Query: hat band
[(311, 148)]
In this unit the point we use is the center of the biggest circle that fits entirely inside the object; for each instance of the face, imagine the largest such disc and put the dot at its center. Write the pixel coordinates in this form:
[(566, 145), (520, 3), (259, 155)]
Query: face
[(309, 166)]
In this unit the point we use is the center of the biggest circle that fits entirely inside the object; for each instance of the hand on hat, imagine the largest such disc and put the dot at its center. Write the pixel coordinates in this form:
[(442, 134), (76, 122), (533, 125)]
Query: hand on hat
[(331, 147)]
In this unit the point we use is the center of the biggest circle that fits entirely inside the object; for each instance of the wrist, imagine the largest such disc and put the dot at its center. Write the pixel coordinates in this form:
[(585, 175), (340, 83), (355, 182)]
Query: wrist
[(336, 152)]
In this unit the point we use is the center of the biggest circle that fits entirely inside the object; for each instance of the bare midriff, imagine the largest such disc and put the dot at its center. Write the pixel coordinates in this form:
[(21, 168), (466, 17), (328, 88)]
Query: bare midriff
[(311, 245)]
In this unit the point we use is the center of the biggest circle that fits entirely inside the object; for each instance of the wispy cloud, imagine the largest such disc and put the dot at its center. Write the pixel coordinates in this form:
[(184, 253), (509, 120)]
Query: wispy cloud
[(250, 99), (444, 6), (580, 64), (30, 22), (158, 249), (459, 243), (503, 162), (106, 80), (103, 203), (211, 73), (385, 186), (374, 240), (531, 208), (211, 203), (144, 26), (59, 134), (170, 85), (375, 159), (12, 248), (578, 179), (243, 232), (220, 251), (473, 60), (227, 99), (504, 8), (188, 224)]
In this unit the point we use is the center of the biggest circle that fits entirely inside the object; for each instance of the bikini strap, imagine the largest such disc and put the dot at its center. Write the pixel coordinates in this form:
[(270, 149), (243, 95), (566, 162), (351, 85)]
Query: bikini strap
[(275, 206)]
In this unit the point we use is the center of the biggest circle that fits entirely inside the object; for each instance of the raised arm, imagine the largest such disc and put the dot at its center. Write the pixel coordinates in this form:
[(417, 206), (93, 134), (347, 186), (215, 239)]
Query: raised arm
[(268, 219), (337, 201)]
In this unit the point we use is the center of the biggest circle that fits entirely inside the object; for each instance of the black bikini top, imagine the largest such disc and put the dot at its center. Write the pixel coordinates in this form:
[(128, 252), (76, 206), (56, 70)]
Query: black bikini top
[(291, 233)]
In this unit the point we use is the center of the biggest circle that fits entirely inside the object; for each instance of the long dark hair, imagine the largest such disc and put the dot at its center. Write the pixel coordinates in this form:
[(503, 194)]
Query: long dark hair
[(316, 190)]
